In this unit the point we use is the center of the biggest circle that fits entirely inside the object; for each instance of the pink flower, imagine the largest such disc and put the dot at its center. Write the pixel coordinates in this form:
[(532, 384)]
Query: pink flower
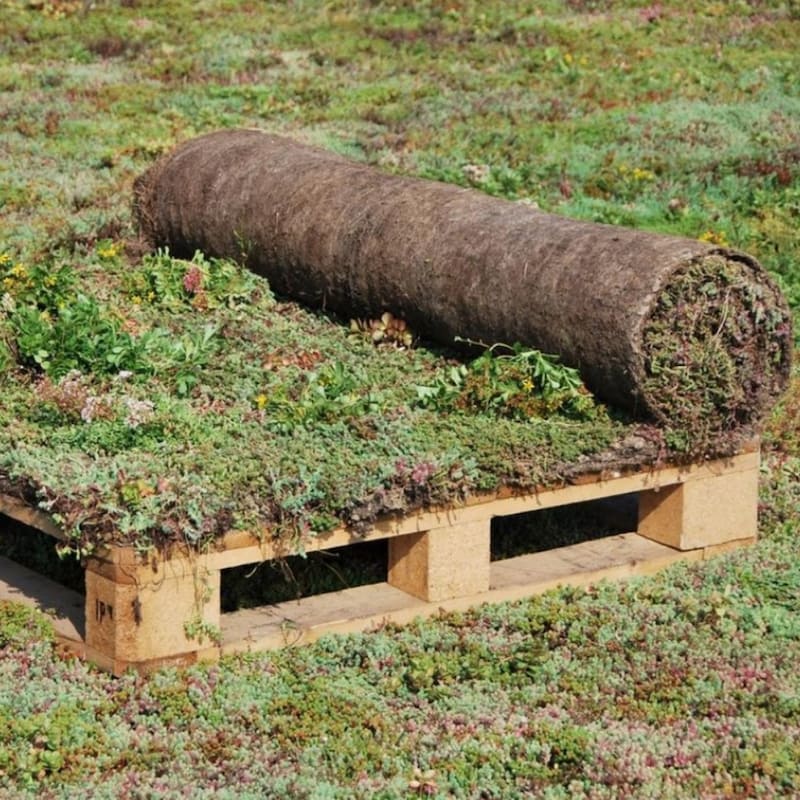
[(422, 472), (193, 279), (652, 13)]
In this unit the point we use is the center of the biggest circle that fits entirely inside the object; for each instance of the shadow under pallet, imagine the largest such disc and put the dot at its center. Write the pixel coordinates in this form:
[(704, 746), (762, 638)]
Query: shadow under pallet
[(144, 612)]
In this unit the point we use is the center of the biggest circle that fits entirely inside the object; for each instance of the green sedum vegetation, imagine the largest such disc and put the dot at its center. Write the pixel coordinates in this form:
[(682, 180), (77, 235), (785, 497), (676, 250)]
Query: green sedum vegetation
[(680, 685), (120, 416), (182, 400)]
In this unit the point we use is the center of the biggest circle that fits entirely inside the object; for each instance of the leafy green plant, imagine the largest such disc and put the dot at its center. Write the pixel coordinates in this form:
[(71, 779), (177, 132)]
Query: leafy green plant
[(51, 327), (330, 393), (182, 359), (46, 285), (202, 284), (78, 335), (520, 383)]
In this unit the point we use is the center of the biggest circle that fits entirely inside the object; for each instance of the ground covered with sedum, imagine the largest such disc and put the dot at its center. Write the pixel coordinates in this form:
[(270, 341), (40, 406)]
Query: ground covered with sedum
[(120, 412)]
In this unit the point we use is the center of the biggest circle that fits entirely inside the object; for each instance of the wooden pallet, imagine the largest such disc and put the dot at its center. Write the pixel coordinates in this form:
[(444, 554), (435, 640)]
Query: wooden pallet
[(146, 612)]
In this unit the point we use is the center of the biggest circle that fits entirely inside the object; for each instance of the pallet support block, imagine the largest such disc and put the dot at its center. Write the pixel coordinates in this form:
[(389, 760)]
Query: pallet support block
[(137, 615), (704, 511), (443, 562)]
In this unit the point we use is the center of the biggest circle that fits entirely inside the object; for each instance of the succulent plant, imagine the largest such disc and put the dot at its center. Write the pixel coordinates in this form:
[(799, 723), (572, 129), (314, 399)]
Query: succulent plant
[(387, 329)]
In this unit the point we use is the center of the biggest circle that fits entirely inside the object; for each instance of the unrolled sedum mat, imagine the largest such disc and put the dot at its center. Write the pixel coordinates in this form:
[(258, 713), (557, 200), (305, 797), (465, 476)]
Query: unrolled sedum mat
[(694, 335)]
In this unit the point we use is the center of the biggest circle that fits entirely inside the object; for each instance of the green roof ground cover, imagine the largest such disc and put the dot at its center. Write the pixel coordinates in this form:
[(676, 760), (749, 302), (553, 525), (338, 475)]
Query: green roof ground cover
[(678, 116), (174, 400)]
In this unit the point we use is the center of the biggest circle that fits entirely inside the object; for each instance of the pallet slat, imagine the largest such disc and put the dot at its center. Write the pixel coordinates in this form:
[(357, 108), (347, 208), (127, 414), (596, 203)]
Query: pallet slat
[(352, 610)]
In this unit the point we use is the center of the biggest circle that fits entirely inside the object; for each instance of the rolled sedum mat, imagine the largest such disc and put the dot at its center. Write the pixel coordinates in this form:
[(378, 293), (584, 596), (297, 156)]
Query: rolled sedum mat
[(691, 334)]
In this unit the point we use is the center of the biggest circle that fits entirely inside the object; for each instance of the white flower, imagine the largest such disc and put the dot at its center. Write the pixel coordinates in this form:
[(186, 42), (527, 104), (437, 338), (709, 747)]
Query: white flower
[(90, 408), (476, 173), (139, 412)]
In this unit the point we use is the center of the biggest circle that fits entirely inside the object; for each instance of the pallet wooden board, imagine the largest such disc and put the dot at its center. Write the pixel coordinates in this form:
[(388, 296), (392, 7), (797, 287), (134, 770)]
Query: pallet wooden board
[(511, 579)]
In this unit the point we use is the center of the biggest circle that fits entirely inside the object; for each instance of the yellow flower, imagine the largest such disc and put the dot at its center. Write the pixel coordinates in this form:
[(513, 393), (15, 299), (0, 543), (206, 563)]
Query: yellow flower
[(18, 270), (4, 258), (111, 251), (8, 283), (50, 280), (714, 237), (527, 384), (136, 300), (640, 174), (568, 59), (261, 401)]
